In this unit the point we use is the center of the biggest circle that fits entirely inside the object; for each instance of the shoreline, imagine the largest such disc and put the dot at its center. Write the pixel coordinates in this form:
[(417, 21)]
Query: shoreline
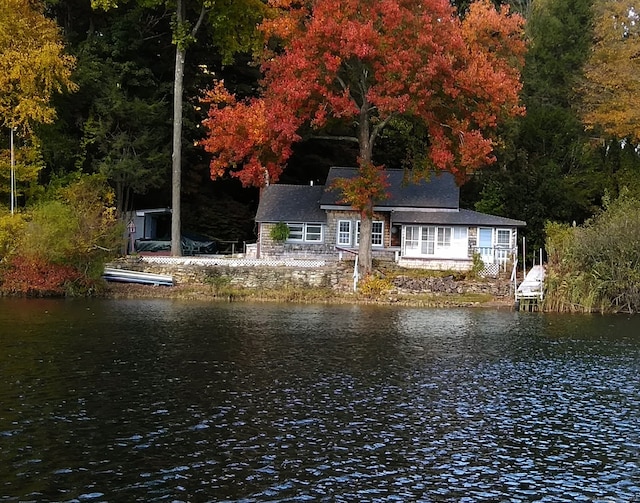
[(201, 292)]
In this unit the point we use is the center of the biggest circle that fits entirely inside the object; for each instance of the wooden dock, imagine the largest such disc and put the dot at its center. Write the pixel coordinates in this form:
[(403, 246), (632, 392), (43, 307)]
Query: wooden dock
[(530, 292)]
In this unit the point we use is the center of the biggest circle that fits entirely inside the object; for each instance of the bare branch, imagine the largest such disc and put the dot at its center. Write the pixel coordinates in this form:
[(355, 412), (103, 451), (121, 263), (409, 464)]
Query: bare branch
[(196, 27), (380, 126), (339, 138)]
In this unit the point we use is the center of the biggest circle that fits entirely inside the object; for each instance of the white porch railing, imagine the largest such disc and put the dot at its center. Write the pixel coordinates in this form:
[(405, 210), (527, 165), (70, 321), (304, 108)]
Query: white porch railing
[(502, 256), (226, 260)]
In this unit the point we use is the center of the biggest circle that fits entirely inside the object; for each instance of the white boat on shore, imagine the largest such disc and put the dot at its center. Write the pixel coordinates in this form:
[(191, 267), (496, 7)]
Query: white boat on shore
[(145, 278)]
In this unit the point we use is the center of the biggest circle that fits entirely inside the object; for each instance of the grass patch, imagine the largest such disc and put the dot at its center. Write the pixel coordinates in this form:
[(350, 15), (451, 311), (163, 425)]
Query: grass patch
[(390, 271), (291, 295)]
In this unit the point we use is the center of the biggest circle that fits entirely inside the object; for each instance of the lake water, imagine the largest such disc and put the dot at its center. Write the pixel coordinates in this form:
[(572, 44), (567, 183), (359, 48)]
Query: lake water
[(160, 400)]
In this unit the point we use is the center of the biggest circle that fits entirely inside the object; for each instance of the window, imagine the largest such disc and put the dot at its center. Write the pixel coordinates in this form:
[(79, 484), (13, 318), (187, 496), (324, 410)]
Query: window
[(344, 232), (296, 232), (444, 237), (377, 233), (459, 233), (412, 238), (313, 232), (485, 239), (428, 240), (503, 238), (305, 232)]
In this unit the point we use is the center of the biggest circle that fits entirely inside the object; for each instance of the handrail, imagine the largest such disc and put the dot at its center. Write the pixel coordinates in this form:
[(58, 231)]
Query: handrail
[(356, 276), (339, 248)]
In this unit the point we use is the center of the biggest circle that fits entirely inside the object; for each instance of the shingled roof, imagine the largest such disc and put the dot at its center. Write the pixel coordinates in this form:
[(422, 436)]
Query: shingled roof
[(460, 217), (291, 203), (432, 202), (440, 191)]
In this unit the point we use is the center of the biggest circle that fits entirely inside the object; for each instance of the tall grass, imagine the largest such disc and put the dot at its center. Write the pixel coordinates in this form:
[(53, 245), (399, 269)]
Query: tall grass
[(596, 267)]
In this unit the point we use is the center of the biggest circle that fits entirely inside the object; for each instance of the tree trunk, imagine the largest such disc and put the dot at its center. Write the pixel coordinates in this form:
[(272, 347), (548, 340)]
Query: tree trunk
[(176, 155), (365, 257)]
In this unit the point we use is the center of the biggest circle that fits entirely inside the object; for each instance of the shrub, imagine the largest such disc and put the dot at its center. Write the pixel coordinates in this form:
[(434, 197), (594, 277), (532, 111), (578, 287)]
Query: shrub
[(33, 276), (220, 284), (477, 266), (11, 227), (373, 286), (48, 232), (279, 232), (61, 244)]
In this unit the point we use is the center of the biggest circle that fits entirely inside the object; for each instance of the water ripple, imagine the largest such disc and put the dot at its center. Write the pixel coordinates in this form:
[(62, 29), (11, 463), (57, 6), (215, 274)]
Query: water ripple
[(316, 403)]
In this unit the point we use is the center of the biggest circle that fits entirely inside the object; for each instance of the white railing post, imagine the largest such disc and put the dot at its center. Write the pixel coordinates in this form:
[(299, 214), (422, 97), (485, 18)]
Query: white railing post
[(355, 274), (514, 277), (524, 258)]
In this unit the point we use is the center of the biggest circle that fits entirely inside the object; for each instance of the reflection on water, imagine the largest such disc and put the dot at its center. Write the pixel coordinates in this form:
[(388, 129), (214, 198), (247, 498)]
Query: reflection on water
[(163, 400)]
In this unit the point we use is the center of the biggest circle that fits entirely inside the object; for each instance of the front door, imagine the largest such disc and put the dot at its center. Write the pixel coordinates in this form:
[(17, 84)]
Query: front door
[(485, 244)]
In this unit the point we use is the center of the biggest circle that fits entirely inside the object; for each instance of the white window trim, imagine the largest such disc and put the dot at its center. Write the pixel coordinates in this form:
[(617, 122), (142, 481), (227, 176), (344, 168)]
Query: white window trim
[(295, 240), (350, 231), (497, 231), (439, 250), (381, 233), (424, 243), (305, 233), (441, 232)]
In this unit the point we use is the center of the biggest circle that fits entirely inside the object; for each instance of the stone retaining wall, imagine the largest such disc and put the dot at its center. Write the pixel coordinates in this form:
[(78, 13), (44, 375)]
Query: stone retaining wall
[(269, 277), (448, 285), (335, 275)]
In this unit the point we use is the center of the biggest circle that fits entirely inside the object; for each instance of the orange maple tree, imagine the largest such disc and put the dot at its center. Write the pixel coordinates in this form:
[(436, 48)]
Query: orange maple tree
[(364, 62)]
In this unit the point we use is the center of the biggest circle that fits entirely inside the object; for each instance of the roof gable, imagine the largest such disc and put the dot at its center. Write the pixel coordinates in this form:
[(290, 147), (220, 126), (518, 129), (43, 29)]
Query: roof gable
[(291, 203), (439, 192)]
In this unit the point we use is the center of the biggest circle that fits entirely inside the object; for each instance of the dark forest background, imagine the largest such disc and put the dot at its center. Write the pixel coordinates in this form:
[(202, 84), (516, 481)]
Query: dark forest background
[(119, 123)]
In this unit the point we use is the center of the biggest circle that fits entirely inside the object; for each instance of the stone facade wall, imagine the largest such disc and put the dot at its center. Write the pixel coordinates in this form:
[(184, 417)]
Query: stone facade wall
[(272, 249), (473, 240), (333, 216)]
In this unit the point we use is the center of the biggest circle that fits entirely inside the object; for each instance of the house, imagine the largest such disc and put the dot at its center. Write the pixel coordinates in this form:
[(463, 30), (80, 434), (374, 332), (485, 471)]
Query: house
[(418, 225), (148, 232)]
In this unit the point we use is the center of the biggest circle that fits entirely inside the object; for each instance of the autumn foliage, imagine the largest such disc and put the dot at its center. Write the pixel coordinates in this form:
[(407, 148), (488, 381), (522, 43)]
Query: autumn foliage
[(370, 60), (363, 63), (37, 277), (60, 246), (33, 65), (611, 89)]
